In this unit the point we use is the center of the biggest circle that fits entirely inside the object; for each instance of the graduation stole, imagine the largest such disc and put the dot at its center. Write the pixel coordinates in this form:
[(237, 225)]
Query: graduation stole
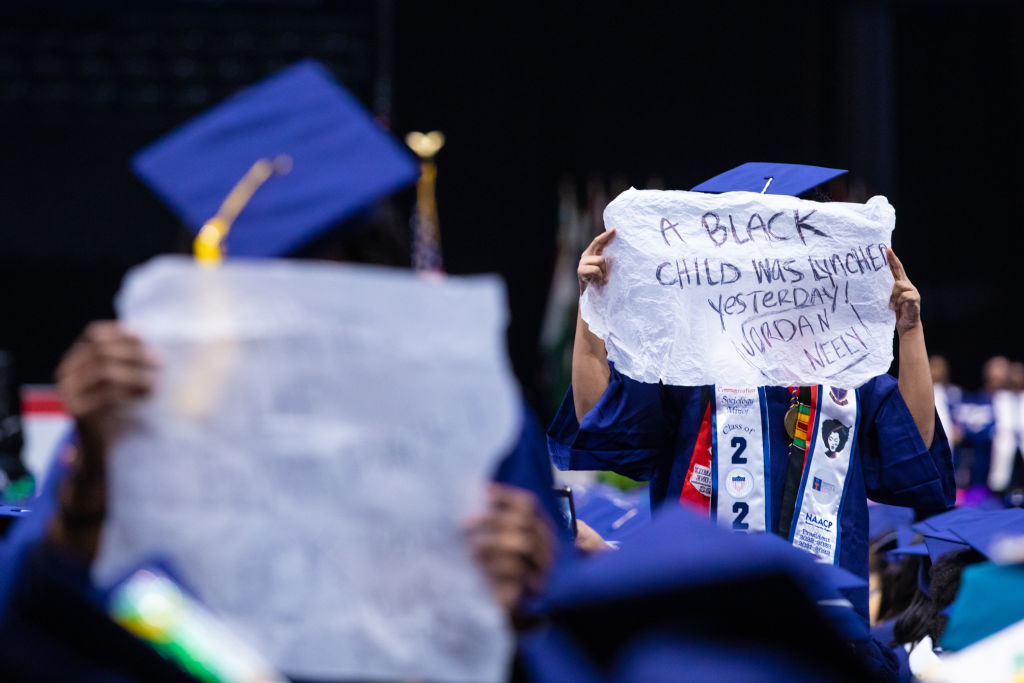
[(729, 478)]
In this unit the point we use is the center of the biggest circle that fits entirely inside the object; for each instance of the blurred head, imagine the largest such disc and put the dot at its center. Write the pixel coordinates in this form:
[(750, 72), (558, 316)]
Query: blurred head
[(1015, 376), (940, 369), (996, 373)]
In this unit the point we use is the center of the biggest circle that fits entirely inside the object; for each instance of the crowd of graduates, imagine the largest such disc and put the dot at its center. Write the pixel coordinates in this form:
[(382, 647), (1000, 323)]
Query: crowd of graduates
[(923, 568), (986, 427)]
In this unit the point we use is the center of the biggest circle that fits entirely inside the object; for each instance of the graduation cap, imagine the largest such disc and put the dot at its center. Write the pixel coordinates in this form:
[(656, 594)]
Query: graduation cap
[(329, 159), (9, 514), (888, 523), (770, 178), (682, 582), (615, 515), (919, 549), (961, 529), (984, 532), (991, 596), (13, 511), (939, 532)]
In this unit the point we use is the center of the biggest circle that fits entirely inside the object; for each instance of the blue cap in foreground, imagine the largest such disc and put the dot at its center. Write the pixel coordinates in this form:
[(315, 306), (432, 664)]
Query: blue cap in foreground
[(341, 161), (683, 584)]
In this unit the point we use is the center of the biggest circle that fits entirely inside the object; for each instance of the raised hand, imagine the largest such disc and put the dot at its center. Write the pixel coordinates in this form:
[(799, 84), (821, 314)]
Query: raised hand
[(105, 369), (512, 544), (905, 299), (593, 267)]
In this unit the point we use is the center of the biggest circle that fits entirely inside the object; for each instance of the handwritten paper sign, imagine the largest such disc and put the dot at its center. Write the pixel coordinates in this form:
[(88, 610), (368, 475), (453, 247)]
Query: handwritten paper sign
[(317, 437), (743, 289)]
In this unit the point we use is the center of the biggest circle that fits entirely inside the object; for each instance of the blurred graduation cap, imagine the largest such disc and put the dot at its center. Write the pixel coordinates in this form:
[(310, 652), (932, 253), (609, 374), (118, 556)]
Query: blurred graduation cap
[(770, 178), (331, 160), (919, 549), (9, 514), (991, 596), (939, 531), (961, 529), (683, 584), (984, 532), (888, 524), (615, 515)]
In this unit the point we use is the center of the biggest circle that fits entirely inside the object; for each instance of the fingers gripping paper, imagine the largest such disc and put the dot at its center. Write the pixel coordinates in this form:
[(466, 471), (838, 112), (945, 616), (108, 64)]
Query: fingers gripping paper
[(317, 436), (744, 289)]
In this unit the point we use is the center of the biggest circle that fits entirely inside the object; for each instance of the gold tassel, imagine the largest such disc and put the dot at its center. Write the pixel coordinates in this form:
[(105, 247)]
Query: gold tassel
[(207, 246)]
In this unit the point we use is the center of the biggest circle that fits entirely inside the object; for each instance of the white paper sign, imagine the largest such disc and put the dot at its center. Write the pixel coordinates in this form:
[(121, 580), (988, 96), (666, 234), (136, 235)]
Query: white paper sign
[(743, 289), (317, 436)]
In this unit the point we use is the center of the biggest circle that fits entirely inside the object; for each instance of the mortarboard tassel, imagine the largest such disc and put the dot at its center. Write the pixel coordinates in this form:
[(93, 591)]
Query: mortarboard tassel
[(207, 245), (426, 256)]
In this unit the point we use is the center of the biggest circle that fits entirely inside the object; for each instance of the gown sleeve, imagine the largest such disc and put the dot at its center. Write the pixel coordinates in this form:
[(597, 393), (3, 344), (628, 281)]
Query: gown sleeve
[(898, 468), (625, 432), (527, 466)]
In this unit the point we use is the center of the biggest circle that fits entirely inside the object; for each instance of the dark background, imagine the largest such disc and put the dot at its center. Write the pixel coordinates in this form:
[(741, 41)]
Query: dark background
[(921, 100)]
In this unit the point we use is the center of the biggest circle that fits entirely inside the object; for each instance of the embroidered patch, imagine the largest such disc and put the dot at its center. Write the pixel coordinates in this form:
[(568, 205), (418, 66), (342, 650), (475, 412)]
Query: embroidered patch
[(824, 487), (740, 482), (701, 479)]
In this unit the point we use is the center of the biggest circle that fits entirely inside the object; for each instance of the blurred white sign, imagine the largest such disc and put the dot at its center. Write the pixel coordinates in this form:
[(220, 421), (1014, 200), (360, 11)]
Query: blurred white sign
[(317, 436)]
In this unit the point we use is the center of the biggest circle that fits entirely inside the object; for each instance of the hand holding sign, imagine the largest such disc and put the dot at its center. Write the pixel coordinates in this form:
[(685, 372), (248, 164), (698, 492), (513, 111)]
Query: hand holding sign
[(905, 299), (593, 266)]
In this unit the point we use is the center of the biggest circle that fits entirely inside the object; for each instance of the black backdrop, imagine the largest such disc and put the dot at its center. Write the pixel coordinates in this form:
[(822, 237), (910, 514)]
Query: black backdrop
[(921, 100)]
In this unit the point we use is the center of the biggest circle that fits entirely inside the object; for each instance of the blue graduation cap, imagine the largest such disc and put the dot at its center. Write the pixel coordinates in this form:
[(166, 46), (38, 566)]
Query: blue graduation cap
[(982, 532), (898, 552), (991, 596), (939, 530), (9, 514), (887, 523), (615, 515), (938, 536), (770, 178), (684, 581), (331, 159)]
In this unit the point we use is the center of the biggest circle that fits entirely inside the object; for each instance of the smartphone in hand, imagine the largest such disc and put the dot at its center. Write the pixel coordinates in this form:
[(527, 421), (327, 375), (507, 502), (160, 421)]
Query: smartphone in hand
[(567, 509)]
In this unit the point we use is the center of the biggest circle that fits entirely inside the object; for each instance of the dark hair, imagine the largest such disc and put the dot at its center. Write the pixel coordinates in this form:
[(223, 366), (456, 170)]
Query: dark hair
[(829, 426), (898, 586), (377, 236), (923, 617)]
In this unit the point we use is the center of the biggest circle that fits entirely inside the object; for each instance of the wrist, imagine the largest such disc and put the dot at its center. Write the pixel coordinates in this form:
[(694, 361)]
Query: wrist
[(88, 459), (82, 495), (915, 330)]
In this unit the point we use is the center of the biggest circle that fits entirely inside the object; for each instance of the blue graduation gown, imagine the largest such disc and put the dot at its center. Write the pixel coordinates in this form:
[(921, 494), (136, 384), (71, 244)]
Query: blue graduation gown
[(648, 432), (527, 466), (976, 415)]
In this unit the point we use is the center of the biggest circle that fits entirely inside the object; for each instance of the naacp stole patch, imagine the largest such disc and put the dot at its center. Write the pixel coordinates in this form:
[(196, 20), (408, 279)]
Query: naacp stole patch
[(832, 441), (740, 466)]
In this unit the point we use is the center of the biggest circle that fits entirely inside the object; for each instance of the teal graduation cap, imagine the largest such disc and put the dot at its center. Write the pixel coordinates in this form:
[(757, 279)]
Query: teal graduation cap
[(770, 178), (310, 154), (991, 596)]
